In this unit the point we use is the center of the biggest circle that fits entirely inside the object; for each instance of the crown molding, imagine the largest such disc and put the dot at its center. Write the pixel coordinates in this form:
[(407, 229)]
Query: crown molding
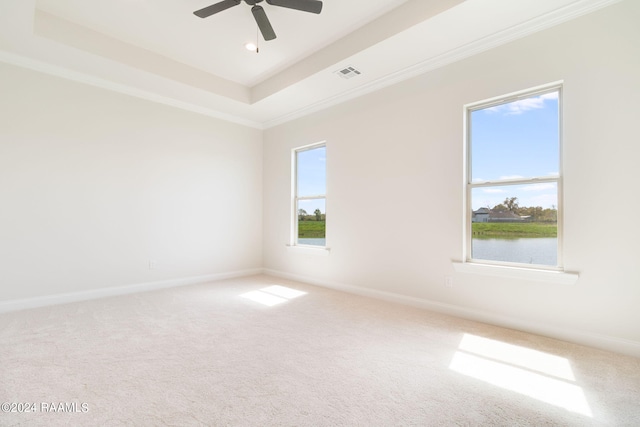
[(65, 73)]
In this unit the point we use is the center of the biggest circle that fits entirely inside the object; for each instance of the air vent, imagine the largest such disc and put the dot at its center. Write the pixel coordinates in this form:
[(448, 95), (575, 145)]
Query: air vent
[(348, 72)]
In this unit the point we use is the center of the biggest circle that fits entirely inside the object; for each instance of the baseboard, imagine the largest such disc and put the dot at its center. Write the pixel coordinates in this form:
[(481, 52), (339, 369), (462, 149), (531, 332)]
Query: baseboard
[(47, 300), (618, 345)]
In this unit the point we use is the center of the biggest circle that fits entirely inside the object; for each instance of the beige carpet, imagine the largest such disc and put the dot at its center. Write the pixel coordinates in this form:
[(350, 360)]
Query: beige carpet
[(262, 351)]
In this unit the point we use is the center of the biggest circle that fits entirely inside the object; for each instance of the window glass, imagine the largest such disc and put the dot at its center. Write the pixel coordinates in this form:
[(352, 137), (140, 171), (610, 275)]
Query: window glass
[(514, 178), (519, 139), (515, 223), (312, 222), (312, 172), (310, 199)]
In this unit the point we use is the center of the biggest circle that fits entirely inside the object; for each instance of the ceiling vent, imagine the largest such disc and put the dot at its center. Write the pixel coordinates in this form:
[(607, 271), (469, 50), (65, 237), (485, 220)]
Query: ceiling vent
[(348, 72)]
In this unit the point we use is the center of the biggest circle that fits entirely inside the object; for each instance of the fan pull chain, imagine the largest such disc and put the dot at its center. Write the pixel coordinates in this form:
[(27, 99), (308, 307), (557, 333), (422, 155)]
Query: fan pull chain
[(257, 41)]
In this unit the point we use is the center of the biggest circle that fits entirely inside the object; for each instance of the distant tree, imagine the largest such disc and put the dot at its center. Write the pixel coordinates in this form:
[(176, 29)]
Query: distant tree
[(511, 203), (318, 214), (301, 214), (533, 212), (549, 215)]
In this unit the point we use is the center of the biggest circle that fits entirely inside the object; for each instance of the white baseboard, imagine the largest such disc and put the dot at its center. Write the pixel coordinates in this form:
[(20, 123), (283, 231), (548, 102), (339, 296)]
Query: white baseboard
[(42, 301), (618, 345)]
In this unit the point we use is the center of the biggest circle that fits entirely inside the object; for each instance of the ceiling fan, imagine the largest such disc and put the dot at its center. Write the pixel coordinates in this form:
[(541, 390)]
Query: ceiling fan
[(312, 6)]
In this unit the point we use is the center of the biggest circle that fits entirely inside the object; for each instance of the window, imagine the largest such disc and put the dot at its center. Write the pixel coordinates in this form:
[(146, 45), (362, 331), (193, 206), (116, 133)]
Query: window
[(514, 180), (309, 196)]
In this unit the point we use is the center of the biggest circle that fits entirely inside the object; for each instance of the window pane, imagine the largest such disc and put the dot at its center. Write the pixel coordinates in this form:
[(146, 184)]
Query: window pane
[(311, 222), (515, 223), (519, 139), (311, 172)]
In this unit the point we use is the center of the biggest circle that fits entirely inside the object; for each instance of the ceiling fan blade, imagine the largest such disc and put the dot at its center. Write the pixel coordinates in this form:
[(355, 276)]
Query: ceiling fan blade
[(263, 23), (215, 8), (312, 6)]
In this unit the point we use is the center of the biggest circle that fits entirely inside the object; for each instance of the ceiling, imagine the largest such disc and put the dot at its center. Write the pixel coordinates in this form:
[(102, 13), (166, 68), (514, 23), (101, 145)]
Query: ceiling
[(159, 50)]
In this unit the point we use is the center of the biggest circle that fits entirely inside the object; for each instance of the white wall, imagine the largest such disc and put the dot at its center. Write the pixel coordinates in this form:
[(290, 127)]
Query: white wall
[(394, 197), (94, 185)]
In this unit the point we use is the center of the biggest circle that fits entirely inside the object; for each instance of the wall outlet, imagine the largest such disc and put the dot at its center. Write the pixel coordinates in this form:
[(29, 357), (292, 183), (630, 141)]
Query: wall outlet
[(448, 281), (153, 264)]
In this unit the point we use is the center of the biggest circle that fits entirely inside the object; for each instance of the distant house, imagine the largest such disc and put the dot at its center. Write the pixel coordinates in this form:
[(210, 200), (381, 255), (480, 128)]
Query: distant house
[(481, 215), (504, 216), (488, 215)]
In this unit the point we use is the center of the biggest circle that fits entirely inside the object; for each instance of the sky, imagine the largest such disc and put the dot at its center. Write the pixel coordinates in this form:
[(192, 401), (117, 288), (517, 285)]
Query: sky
[(519, 139)]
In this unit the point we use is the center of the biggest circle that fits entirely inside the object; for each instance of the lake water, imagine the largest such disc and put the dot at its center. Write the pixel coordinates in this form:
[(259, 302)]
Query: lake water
[(539, 250), (314, 242)]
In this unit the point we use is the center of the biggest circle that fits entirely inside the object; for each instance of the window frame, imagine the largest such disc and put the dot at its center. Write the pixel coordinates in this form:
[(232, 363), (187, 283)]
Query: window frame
[(293, 241), (469, 186)]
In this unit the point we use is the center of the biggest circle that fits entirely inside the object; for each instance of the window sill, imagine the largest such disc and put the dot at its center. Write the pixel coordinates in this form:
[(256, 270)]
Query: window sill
[(548, 276), (309, 250)]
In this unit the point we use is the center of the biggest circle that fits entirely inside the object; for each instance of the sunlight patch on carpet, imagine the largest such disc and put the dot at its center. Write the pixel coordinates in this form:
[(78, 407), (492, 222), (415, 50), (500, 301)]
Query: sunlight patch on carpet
[(283, 291), (273, 295), (542, 376)]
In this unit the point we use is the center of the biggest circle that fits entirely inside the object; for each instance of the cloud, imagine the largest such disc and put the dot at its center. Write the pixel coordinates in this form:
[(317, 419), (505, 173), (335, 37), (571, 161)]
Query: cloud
[(493, 190), (522, 105), (544, 186), (512, 177), (550, 95)]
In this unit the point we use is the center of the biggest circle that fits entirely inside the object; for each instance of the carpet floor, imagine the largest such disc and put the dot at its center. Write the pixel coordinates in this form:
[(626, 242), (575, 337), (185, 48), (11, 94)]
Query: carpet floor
[(262, 351)]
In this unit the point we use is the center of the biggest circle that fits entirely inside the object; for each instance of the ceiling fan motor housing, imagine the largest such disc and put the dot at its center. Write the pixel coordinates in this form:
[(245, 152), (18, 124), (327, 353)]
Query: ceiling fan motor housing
[(311, 6)]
